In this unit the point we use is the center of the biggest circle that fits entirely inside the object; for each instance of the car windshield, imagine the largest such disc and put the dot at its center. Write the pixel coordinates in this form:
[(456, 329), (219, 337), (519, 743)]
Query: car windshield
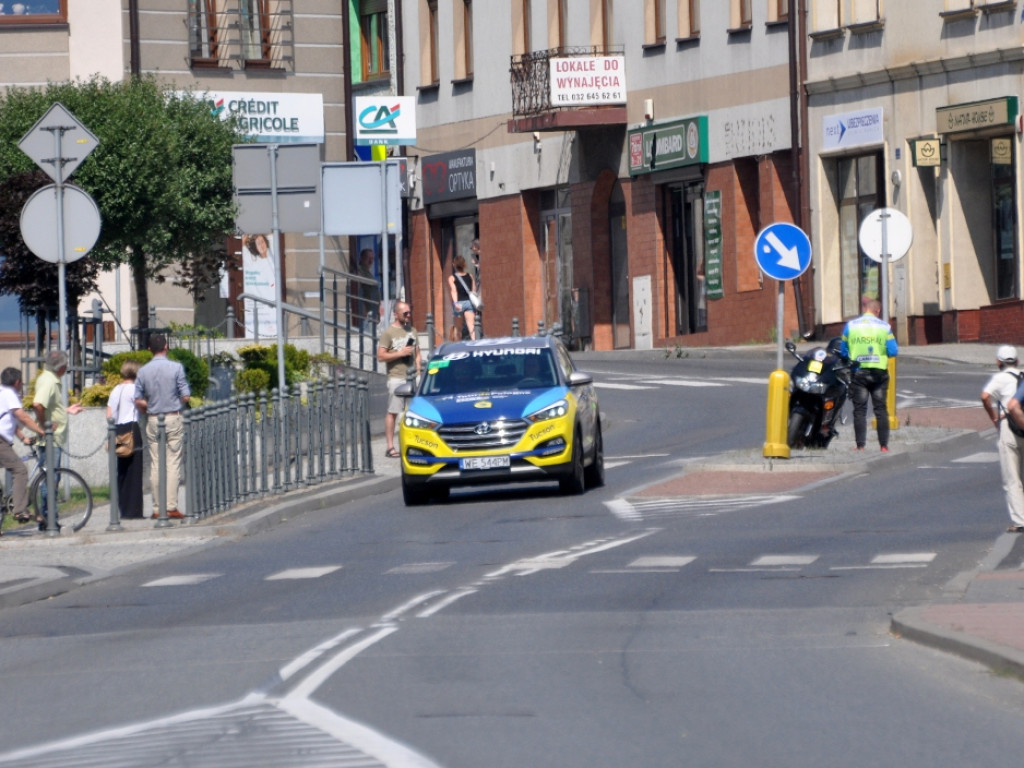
[(489, 371)]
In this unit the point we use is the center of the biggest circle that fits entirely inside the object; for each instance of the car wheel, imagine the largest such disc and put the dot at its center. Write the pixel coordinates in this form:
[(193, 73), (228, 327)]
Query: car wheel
[(594, 474), (414, 495), (573, 484)]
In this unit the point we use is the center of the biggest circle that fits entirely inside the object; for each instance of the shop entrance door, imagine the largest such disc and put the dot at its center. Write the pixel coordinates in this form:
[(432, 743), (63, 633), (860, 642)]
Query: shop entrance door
[(685, 209), (558, 295), (620, 268)]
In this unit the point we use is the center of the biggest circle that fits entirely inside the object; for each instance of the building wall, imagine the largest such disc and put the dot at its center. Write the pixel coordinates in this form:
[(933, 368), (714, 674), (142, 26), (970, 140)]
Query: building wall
[(919, 59)]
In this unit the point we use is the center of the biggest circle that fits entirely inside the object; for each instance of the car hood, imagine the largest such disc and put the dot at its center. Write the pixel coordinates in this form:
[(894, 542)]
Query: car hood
[(485, 405)]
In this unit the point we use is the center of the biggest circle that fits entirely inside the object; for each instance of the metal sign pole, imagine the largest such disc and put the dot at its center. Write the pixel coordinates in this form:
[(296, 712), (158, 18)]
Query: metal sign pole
[(385, 254), (885, 265), (278, 308)]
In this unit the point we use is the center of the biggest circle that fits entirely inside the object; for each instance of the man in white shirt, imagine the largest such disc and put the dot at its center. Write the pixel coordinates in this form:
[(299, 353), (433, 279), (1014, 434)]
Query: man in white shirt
[(12, 418), (996, 397)]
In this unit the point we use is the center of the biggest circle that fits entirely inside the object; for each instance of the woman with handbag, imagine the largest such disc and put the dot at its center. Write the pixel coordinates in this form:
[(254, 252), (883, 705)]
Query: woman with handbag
[(121, 408), (465, 301)]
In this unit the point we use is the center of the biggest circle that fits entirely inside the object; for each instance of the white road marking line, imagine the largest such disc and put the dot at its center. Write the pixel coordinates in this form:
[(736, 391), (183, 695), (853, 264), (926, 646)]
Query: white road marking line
[(182, 580), (781, 569), (661, 561), (313, 654), (407, 606), (308, 686), (562, 558), (623, 510), (903, 558), (686, 383), (978, 458), (419, 568), (611, 385), (773, 560), (442, 604), (614, 464), (314, 572), (390, 752)]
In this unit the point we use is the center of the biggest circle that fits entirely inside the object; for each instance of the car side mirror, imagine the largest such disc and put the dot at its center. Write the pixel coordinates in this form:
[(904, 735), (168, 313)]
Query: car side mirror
[(790, 346), (579, 378), (404, 390)]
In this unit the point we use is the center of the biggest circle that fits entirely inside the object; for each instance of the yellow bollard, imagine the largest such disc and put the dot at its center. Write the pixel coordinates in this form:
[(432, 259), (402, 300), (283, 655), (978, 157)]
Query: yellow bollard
[(890, 396), (890, 399), (775, 445)]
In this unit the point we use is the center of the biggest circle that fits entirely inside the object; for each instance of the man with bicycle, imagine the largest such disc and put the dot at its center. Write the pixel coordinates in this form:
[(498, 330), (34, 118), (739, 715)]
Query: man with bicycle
[(48, 404), (12, 418)]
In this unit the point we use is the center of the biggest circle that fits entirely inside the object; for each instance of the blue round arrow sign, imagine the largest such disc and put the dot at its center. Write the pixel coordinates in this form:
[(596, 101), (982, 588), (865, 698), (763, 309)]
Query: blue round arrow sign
[(782, 251)]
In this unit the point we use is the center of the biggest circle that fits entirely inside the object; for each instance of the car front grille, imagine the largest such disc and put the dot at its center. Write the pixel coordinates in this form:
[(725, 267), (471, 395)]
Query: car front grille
[(483, 435)]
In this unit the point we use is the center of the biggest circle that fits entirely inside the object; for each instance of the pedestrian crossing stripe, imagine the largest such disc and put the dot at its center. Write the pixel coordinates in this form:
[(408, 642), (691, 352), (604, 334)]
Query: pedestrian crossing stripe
[(692, 506), (988, 457), (303, 573), (182, 580)]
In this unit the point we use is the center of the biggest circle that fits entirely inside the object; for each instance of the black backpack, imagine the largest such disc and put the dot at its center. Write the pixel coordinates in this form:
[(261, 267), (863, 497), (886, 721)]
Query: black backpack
[(1018, 431)]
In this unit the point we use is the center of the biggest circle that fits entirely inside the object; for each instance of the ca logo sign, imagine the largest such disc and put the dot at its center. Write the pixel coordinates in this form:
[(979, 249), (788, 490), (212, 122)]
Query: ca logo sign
[(379, 119)]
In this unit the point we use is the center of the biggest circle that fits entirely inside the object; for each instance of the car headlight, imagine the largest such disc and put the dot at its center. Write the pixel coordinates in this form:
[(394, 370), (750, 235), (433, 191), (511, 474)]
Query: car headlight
[(415, 421), (553, 411), (810, 384)]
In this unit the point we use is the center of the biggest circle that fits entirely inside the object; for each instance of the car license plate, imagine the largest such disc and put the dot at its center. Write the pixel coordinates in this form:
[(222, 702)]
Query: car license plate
[(484, 462)]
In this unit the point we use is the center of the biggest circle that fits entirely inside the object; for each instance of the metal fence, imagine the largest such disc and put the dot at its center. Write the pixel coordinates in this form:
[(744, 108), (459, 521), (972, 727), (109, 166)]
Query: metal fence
[(259, 445)]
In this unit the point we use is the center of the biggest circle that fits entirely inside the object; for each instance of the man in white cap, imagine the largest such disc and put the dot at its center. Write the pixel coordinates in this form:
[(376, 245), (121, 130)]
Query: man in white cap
[(999, 399)]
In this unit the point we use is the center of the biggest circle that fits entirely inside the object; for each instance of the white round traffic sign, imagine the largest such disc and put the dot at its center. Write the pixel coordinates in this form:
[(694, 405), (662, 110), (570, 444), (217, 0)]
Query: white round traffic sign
[(898, 234), (81, 218)]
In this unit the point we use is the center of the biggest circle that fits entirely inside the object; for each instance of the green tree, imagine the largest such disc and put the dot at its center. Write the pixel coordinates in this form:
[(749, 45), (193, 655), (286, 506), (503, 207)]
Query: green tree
[(161, 176)]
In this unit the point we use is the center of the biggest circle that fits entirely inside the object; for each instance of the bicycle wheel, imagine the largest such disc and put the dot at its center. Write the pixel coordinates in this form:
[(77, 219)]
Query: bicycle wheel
[(74, 498)]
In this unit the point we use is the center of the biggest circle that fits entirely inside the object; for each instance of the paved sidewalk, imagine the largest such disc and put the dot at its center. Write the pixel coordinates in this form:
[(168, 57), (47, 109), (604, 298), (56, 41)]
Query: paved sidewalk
[(980, 616)]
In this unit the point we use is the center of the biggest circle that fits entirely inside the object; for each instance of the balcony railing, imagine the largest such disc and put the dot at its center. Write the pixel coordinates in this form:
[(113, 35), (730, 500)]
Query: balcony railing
[(531, 77)]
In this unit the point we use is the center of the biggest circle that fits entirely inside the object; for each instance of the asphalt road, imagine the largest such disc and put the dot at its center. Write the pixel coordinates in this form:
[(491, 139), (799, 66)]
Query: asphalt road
[(517, 627)]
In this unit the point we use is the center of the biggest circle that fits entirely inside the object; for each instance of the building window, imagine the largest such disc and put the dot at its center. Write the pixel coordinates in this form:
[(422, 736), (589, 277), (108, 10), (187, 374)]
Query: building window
[(557, 24), (740, 15), (601, 24), (373, 30), (203, 31), (1004, 201), (861, 191), (521, 42), (654, 22), (688, 12), (38, 12), (826, 15), (428, 44), (463, 39), (780, 10), (255, 31), (866, 11)]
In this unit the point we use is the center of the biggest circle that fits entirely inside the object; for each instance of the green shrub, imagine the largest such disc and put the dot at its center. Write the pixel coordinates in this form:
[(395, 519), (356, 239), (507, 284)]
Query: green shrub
[(196, 371), (252, 379), (112, 367), (97, 394)]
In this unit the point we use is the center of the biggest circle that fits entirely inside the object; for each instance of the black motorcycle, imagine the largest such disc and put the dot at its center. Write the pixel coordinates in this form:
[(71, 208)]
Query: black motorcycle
[(819, 385)]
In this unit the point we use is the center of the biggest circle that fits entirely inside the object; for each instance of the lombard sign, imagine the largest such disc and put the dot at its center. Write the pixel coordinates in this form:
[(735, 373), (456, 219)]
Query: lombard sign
[(451, 176), (383, 119), (588, 81), (853, 129), (668, 145), (273, 118)]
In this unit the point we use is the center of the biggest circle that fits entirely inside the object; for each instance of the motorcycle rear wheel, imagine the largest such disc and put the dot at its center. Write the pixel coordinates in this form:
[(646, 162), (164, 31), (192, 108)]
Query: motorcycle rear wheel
[(797, 428)]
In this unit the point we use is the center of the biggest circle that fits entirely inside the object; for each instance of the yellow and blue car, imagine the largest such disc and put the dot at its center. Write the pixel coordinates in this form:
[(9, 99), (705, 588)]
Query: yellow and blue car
[(496, 411)]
